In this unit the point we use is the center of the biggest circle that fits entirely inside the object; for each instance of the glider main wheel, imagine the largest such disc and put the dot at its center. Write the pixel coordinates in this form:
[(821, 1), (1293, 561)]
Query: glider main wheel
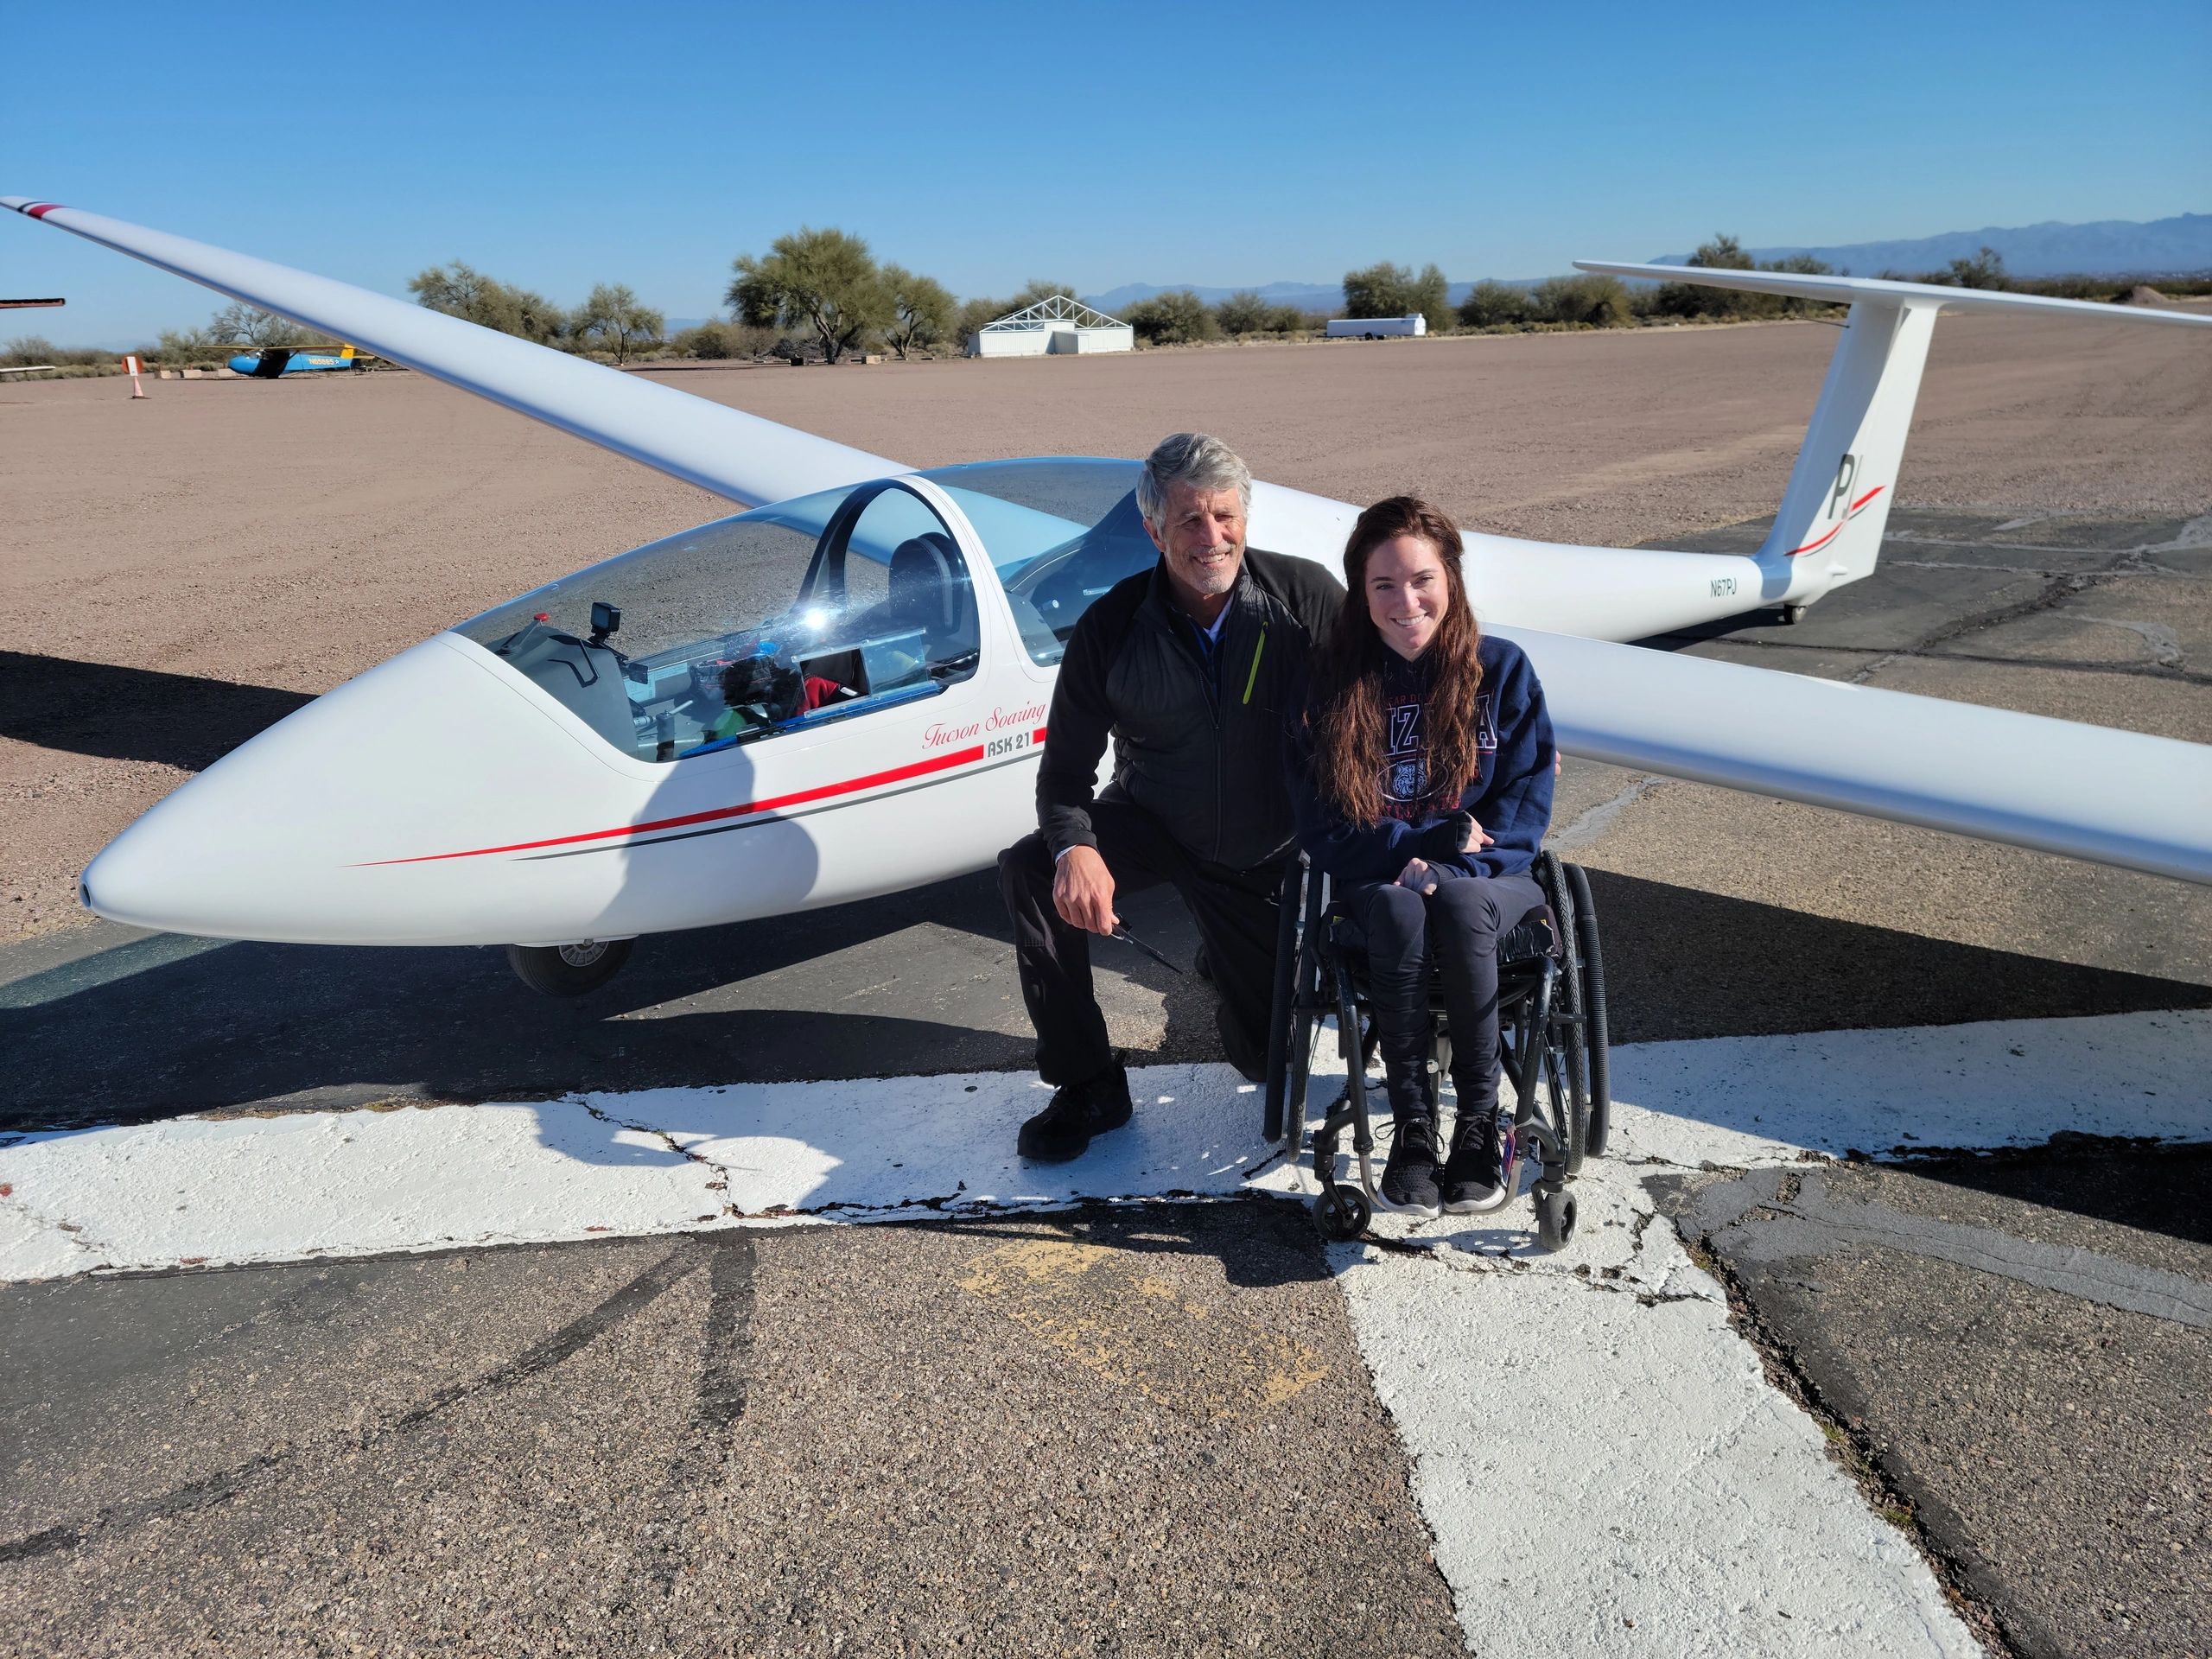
[(567, 970), (1554, 1217), (1343, 1212), (1793, 614)]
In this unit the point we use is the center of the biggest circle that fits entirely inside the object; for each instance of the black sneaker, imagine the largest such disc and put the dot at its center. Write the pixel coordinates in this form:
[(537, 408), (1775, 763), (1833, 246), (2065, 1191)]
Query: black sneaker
[(1474, 1176), (1078, 1111), (1408, 1184)]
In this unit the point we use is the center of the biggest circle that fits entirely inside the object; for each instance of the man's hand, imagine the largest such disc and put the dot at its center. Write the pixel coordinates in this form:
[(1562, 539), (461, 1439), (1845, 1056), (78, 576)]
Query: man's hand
[(1418, 876), (1083, 891)]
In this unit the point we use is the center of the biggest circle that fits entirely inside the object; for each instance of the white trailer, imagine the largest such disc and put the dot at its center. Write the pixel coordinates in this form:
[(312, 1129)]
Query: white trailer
[(1376, 327)]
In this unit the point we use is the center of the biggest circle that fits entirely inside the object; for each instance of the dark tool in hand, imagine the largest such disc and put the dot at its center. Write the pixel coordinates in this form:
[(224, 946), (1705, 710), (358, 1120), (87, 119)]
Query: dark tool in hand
[(1127, 937)]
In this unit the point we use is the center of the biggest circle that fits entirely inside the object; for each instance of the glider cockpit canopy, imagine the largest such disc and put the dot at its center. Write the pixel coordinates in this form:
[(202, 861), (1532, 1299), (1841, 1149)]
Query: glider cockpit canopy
[(819, 609)]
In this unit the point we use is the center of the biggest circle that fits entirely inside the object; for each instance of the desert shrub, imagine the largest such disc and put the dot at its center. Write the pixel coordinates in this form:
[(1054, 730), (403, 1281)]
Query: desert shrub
[(717, 339), (1244, 313), (1591, 300), (1176, 318), (29, 349), (1493, 305)]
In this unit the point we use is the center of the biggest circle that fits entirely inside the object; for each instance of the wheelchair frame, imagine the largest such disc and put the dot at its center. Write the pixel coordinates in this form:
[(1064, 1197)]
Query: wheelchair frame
[(1551, 1028)]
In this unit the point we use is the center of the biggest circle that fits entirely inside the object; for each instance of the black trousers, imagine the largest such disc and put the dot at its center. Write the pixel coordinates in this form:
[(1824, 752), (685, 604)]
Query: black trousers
[(1457, 928), (1235, 910)]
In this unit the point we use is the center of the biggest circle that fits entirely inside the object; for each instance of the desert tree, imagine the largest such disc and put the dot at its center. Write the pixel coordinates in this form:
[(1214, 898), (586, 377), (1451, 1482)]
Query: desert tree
[(611, 319), (459, 292), (1430, 295), (825, 281), (1379, 290), (239, 323), (921, 310)]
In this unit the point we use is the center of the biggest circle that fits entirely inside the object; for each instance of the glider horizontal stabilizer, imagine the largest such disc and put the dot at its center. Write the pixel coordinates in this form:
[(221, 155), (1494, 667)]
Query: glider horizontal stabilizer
[(1852, 290), (749, 459)]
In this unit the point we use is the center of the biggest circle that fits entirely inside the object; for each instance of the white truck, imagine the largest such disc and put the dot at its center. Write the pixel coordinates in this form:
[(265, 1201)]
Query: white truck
[(1376, 327)]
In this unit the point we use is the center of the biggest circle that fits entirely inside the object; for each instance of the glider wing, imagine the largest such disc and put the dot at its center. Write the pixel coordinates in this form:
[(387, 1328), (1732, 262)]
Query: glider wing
[(741, 456), (2090, 791)]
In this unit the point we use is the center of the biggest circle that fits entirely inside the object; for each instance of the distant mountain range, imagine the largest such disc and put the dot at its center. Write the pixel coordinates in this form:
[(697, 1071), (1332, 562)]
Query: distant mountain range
[(2111, 247)]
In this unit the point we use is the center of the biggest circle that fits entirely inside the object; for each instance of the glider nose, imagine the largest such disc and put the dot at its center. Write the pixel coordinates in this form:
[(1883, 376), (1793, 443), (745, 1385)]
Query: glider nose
[(311, 832)]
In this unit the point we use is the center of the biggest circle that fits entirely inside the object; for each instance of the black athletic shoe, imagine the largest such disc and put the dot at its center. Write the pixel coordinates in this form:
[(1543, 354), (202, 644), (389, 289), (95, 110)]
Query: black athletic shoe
[(1080, 1111), (1408, 1184), (1474, 1175)]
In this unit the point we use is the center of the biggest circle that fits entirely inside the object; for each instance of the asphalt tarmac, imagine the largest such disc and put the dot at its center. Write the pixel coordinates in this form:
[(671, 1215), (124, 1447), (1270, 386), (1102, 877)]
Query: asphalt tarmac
[(1108, 1432)]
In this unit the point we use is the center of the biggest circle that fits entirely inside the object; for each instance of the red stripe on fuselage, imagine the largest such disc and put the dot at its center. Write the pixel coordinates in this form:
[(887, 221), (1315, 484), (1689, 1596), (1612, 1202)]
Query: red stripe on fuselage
[(897, 774)]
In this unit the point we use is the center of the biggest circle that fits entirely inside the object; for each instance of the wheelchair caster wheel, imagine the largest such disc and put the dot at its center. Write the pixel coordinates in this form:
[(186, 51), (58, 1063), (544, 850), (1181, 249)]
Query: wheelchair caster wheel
[(1554, 1219), (1343, 1212)]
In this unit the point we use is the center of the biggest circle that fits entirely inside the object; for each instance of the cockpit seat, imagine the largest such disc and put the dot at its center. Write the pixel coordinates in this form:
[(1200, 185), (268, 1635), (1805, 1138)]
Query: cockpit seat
[(929, 589)]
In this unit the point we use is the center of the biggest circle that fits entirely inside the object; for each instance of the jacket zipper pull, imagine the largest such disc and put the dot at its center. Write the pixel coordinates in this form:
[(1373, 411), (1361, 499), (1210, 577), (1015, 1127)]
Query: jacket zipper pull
[(1252, 677)]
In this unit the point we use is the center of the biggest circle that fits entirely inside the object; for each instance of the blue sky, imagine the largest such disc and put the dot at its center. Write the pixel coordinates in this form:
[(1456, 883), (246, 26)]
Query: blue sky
[(557, 145)]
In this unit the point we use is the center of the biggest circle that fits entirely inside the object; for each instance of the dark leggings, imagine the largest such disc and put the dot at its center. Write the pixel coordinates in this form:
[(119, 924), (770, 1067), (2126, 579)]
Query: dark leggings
[(1459, 926)]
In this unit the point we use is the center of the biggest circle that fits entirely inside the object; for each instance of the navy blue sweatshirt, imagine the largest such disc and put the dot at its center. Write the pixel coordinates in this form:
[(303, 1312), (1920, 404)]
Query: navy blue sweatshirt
[(1510, 795)]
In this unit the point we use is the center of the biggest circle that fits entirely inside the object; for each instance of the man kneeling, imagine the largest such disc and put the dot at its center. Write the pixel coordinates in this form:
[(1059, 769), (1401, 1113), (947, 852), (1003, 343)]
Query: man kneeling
[(1188, 667)]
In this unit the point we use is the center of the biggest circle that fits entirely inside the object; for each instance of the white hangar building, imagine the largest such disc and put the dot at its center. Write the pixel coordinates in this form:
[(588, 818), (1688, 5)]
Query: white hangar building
[(1055, 327)]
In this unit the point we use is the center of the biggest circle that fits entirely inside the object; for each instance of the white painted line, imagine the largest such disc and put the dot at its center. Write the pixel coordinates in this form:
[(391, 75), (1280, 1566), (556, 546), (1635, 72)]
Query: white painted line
[(1607, 1477), (233, 1190), (1602, 1463)]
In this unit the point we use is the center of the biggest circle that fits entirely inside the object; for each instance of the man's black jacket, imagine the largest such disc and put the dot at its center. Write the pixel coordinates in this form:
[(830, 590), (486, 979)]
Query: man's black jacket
[(1197, 745)]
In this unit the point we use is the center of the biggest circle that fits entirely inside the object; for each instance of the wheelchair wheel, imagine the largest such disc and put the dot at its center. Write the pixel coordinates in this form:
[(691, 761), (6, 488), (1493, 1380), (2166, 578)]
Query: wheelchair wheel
[(1342, 1211), (1594, 1039), (1554, 1217), (1570, 1104)]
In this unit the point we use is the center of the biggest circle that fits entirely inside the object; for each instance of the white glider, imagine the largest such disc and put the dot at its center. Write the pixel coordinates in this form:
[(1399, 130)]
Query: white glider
[(537, 778)]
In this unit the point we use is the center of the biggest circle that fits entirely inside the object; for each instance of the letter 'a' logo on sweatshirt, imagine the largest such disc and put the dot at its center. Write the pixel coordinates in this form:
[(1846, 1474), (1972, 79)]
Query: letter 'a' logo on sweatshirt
[(1485, 724)]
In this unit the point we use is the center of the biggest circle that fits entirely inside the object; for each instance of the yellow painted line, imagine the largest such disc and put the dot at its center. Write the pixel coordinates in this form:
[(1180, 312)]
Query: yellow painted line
[(1114, 1315)]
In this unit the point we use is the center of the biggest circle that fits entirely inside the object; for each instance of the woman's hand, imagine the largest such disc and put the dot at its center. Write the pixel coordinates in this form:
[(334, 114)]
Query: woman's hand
[(1477, 838), (1418, 876)]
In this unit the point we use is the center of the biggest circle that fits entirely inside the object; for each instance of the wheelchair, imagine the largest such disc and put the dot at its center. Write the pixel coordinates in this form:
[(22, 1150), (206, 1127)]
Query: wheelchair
[(1551, 1012)]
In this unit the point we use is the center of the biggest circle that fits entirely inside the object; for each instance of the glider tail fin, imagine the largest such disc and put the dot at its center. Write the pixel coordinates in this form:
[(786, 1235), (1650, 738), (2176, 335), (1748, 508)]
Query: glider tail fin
[(1828, 531)]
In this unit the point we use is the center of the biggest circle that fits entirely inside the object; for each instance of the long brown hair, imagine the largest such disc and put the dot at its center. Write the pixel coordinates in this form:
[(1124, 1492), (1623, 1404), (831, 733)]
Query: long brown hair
[(1345, 711)]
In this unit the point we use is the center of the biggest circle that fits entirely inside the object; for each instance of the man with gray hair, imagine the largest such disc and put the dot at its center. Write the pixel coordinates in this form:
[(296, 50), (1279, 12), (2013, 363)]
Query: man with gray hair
[(1189, 668)]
